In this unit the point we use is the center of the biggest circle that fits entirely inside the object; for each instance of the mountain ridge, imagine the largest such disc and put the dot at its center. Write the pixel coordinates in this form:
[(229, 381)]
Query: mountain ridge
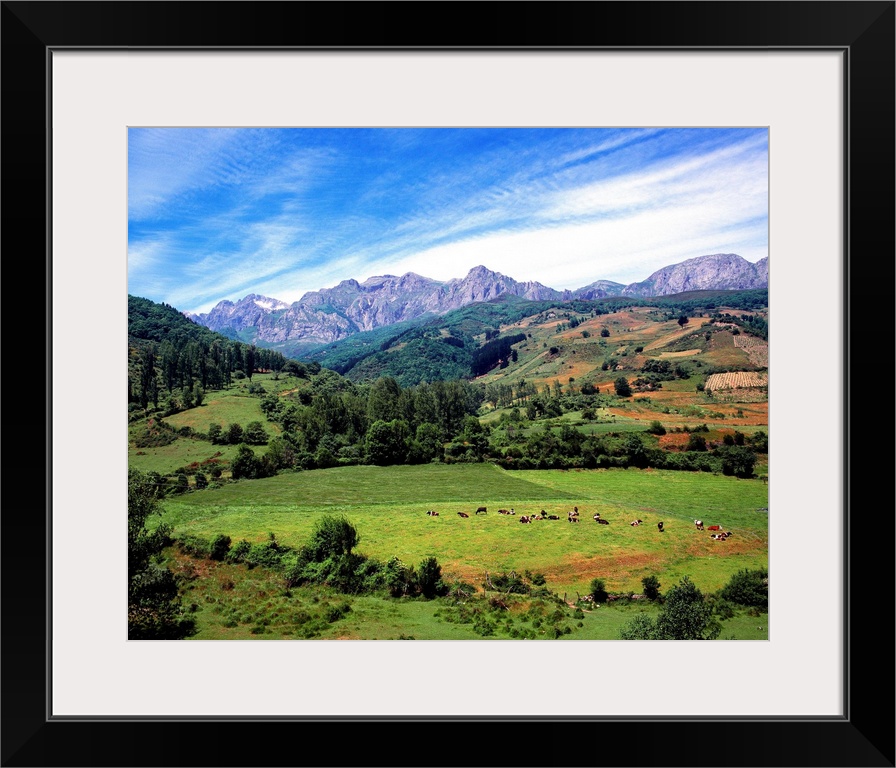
[(331, 314)]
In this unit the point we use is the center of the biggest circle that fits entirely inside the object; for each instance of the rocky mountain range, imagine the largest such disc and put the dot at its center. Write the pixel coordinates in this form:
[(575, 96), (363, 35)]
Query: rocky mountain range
[(330, 314)]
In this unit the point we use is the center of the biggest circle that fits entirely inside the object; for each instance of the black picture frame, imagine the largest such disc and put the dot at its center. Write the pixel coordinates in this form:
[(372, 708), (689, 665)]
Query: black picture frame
[(864, 736)]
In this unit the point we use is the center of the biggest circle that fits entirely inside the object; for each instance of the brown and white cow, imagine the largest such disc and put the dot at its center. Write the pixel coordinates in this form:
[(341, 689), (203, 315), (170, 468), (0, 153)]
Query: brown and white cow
[(714, 528), (603, 522), (462, 514), (660, 527), (698, 524), (636, 522), (432, 513)]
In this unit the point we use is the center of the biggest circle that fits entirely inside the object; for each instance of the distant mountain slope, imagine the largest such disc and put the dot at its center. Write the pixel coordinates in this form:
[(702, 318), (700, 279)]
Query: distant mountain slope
[(330, 314), (719, 271)]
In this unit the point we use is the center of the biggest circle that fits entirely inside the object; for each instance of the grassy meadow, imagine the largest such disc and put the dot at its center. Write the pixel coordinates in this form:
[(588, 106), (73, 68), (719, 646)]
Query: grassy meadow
[(388, 506)]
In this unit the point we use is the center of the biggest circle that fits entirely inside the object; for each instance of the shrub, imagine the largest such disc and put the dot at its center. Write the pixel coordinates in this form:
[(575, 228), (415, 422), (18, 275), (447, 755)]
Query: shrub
[(194, 545), (598, 590), (220, 547), (747, 587), (267, 555), (429, 578), (651, 587)]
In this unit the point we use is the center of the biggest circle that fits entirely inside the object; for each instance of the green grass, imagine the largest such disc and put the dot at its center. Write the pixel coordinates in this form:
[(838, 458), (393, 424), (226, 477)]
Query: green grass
[(226, 407), (231, 602), (230, 406), (388, 505), (181, 453)]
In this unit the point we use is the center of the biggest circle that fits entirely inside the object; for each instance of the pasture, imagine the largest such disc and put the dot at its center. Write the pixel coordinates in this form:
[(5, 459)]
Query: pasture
[(388, 506)]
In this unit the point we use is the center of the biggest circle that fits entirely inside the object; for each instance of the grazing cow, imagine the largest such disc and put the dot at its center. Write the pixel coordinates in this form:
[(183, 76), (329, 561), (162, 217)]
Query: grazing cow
[(432, 513), (503, 511), (714, 528), (660, 527), (525, 519), (462, 514), (484, 510), (699, 524), (636, 522)]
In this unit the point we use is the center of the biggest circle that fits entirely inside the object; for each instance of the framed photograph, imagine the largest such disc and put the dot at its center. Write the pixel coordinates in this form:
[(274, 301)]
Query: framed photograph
[(817, 77)]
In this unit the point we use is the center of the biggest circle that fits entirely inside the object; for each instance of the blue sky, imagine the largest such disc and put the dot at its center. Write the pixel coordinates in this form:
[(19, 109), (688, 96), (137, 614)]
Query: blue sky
[(220, 213)]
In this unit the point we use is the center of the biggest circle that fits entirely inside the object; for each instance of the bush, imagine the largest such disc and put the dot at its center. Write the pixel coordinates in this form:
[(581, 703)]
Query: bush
[(598, 590), (194, 545), (651, 587), (429, 578), (220, 547), (748, 587), (623, 389), (268, 555)]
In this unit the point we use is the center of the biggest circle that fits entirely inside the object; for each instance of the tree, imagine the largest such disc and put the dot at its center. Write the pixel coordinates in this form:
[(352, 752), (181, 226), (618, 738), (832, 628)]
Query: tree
[(429, 576), (623, 389), (234, 434), (428, 442), (215, 434), (333, 536), (383, 400), (598, 590), (651, 586), (683, 320), (154, 604), (255, 433), (737, 460), (246, 464), (748, 587), (387, 442), (604, 332), (696, 443), (685, 615)]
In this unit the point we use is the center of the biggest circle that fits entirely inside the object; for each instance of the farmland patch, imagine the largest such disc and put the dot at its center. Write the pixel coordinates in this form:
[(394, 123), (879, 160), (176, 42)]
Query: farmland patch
[(736, 380)]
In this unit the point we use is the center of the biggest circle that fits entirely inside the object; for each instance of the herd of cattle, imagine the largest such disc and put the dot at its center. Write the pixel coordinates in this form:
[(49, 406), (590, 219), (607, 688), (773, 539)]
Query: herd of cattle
[(573, 517)]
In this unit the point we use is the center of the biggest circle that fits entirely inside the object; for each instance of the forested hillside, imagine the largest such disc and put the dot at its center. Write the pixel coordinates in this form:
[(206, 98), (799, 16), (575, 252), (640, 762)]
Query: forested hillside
[(172, 360)]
